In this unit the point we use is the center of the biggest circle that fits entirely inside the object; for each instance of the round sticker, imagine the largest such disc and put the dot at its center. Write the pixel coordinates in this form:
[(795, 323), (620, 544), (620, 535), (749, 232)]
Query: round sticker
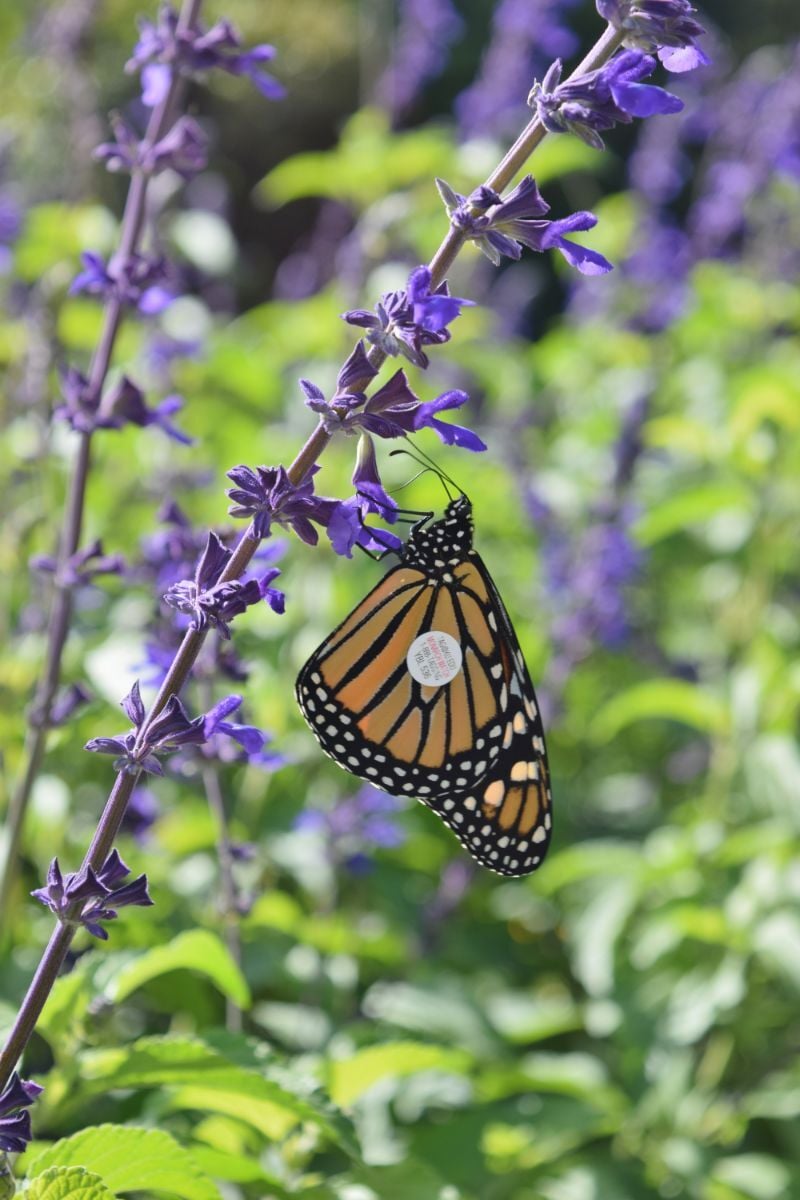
[(434, 658)]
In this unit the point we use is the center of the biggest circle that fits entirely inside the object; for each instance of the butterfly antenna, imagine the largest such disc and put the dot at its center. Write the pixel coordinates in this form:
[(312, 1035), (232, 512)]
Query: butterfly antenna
[(428, 464)]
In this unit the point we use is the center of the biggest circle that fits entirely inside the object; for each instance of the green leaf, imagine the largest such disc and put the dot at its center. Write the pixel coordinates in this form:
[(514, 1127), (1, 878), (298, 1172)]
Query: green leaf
[(690, 507), (350, 1078), (757, 1175), (129, 1159), (267, 1097), (367, 163), (196, 950), (661, 699), (67, 1183)]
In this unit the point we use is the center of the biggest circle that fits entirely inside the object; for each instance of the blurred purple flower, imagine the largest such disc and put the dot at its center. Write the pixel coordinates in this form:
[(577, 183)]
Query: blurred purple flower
[(141, 813), (94, 897), (665, 27), (427, 30), (164, 47), (503, 226), (183, 149), (125, 404), (356, 826), (525, 36), (80, 568), (170, 554), (67, 702), (404, 321), (229, 741), (15, 1126), (171, 729), (213, 605), (596, 102), (138, 281)]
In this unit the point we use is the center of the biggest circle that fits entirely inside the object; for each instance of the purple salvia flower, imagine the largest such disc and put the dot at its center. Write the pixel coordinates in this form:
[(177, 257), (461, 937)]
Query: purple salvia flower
[(266, 495), (404, 321), (139, 281), (125, 404), (501, 227), (171, 729), (213, 605), (87, 898), (395, 411), (15, 1126), (337, 415), (427, 30), (665, 27), (594, 103), (347, 529), (184, 149), (163, 47), (80, 568)]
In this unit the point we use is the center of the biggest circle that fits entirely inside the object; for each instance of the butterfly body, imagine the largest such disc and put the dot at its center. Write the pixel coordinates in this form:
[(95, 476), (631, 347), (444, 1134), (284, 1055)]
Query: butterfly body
[(423, 691)]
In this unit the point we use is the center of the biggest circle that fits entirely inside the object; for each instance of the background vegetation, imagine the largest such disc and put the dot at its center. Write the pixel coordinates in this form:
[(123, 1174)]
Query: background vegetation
[(623, 1024)]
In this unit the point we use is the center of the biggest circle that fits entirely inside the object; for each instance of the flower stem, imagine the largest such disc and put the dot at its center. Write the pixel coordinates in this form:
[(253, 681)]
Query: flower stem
[(187, 653), (72, 528), (228, 894)]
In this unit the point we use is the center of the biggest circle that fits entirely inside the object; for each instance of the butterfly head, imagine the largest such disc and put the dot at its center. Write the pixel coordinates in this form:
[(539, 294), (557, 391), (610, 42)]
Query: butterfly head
[(437, 545)]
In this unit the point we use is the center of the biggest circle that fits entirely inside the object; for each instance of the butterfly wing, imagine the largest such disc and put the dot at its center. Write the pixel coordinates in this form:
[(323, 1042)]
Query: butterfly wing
[(376, 720), (505, 820)]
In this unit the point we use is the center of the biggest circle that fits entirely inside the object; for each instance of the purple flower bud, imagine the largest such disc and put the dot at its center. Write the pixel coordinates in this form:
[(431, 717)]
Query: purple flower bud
[(87, 898), (15, 1126), (67, 703), (183, 149)]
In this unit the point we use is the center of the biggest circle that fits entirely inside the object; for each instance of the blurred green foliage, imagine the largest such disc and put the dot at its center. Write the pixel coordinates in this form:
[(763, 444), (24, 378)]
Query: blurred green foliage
[(621, 1025)]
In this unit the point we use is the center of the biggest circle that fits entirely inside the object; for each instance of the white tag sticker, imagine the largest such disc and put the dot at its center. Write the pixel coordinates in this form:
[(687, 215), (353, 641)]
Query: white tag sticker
[(434, 658)]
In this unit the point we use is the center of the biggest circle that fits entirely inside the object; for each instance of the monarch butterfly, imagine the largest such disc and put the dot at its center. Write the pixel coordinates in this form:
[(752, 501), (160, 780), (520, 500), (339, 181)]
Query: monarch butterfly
[(423, 691)]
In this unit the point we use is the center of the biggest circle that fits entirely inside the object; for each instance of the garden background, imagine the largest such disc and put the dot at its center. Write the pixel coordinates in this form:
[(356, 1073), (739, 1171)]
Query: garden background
[(623, 1023)]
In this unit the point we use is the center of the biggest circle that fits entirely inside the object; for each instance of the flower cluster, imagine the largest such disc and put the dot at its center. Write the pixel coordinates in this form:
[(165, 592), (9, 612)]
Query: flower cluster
[(165, 46), (15, 1125), (427, 30), (86, 898), (665, 27), (141, 748), (501, 227), (406, 320), (213, 605), (592, 104)]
